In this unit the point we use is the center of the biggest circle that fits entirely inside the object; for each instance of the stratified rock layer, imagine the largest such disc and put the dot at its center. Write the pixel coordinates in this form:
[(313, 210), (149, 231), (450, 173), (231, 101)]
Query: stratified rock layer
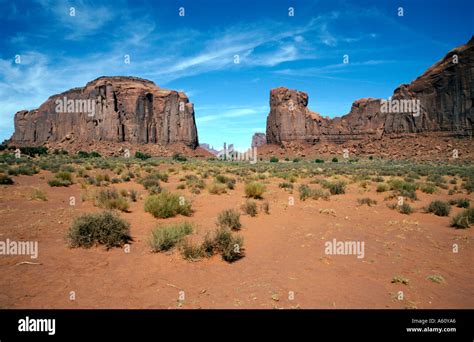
[(127, 109), (445, 93)]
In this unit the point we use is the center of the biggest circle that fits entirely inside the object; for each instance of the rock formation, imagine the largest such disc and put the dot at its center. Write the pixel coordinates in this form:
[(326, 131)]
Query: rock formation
[(110, 109), (209, 148), (440, 101), (259, 139)]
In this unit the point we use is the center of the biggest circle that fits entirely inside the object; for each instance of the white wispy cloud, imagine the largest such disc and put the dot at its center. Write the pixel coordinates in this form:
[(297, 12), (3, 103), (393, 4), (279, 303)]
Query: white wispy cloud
[(160, 56), (79, 18), (331, 68), (225, 115)]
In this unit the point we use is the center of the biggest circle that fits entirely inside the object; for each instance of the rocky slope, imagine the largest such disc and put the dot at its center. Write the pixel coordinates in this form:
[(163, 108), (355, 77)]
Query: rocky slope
[(110, 109), (445, 93)]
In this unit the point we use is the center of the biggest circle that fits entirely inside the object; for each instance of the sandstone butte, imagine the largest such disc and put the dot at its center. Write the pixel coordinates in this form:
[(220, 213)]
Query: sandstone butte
[(131, 111), (127, 109), (445, 92)]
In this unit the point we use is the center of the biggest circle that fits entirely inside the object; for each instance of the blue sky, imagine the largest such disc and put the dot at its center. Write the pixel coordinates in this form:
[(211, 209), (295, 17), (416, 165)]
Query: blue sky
[(196, 53)]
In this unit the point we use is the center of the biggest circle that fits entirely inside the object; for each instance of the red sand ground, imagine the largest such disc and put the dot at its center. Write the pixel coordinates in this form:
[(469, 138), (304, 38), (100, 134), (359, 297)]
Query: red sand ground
[(284, 252)]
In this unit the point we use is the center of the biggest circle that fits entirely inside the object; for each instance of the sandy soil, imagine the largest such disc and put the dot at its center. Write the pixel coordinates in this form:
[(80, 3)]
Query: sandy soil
[(285, 255)]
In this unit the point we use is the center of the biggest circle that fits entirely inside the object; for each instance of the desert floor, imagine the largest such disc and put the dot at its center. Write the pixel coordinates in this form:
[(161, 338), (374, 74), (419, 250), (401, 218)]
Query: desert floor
[(284, 253)]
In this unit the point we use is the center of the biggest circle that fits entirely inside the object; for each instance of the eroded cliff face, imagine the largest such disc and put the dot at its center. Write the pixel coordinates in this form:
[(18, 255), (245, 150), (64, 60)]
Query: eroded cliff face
[(443, 104), (125, 109)]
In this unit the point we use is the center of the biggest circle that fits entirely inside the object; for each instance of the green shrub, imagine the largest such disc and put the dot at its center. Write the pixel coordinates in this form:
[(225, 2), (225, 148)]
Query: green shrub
[(164, 238), (397, 184), (142, 156), (335, 160), (104, 228), (111, 199), (64, 175), (13, 171), (166, 204), (61, 178), (436, 278), (58, 182), (404, 189), (400, 280), (286, 185), (408, 193), (319, 161), (382, 187), (127, 176), (152, 182), (133, 195), (38, 194), (469, 185), (319, 193), (5, 180), (230, 182), (254, 190), (191, 251), (464, 219), (67, 168), (33, 151), (60, 152), (437, 179), (194, 182), (250, 208), (233, 250), (266, 207), (460, 202), (223, 241), (217, 188), (27, 170), (222, 238), (229, 219), (273, 160), (209, 245), (439, 208), (84, 154), (405, 208), (335, 188), (179, 157), (305, 192), (156, 176), (367, 201), (427, 188), (101, 179)]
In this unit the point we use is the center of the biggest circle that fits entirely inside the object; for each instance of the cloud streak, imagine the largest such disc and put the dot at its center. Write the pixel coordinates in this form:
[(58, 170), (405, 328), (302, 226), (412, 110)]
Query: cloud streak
[(231, 114)]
